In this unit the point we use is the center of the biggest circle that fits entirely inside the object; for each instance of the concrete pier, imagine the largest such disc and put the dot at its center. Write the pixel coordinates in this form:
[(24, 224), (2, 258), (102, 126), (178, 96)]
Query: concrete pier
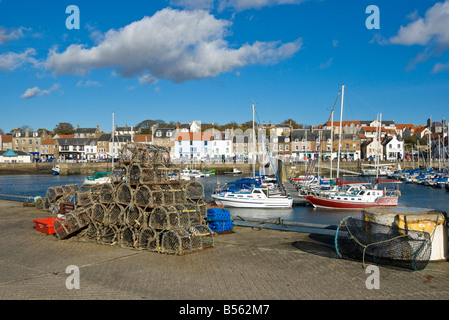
[(248, 264)]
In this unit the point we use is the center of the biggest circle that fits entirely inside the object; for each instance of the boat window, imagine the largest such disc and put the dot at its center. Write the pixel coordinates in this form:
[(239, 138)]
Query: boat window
[(257, 191), (362, 192), (368, 194)]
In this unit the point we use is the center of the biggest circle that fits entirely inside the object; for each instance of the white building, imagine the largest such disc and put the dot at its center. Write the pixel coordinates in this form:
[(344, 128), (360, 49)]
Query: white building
[(393, 149), (221, 146), (192, 145), (10, 156)]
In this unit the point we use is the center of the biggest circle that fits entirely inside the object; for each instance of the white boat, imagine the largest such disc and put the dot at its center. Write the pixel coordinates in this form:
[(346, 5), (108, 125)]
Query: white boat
[(234, 171), (187, 174), (56, 168), (98, 178), (257, 197)]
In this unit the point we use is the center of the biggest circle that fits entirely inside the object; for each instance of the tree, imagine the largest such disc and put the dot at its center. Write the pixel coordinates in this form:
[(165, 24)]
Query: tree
[(293, 123), (63, 128)]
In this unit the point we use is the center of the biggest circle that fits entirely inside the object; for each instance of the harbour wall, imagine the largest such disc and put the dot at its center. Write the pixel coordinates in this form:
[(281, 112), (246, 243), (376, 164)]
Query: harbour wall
[(293, 170)]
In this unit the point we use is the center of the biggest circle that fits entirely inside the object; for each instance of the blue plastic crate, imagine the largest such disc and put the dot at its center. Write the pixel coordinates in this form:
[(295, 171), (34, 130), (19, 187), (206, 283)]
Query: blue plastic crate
[(221, 226), (217, 214)]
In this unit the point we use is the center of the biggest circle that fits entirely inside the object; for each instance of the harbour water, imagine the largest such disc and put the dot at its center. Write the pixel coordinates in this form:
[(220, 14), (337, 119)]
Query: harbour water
[(412, 195)]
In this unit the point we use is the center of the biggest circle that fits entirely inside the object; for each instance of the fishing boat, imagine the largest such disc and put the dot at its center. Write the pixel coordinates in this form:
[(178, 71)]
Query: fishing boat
[(355, 198), (191, 174), (234, 171), (56, 168), (256, 197), (98, 178)]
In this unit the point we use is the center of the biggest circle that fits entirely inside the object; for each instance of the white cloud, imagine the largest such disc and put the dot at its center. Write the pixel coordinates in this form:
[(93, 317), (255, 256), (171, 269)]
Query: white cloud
[(440, 67), (432, 29), (172, 44), (240, 5), (193, 4), (88, 83), (11, 60), (326, 64), (7, 35), (34, 92)]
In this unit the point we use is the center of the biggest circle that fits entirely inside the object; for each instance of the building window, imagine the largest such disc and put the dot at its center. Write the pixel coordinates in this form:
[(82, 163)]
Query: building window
[(287, 148)]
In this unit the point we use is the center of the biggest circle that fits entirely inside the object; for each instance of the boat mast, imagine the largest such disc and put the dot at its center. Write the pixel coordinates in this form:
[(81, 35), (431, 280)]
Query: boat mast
[(254, 146), (341, 124), (113, 141), (332, 138), (379, 148)]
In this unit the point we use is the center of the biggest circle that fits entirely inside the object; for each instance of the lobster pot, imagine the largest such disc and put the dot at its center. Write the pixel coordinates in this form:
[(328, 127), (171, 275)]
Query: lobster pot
[(179, 194), (174, 173), (115, 214), (382, 244), (154, 156), (93, 231), (119, 174), (70, 188), (98, 212), (194, 190), (143, 197), (108, 234), (169, 196), (95, 191), (176, 241), (434, 222), (51, 194), (194, 213), (202, 237), (157, 195), (148, 239), (162, 174), (202, 206), (134, 216), (107, 192), (184, 215), (40, 203), (83, 215), (60, 228), (127, 237), (123, 194), (128, 152), (134, 173), (83, 196), (148, 174), (59, 191), (158, 218)]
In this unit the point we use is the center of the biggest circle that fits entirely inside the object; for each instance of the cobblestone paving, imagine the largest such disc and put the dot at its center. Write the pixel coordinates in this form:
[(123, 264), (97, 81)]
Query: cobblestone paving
[(244, 265)]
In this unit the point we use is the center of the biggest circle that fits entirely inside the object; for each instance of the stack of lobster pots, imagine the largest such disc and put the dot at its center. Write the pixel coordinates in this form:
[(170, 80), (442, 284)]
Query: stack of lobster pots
[(146, 205)]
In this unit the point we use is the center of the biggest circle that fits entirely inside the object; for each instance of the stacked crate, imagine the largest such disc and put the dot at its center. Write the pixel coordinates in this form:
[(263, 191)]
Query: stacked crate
[(145, 206)]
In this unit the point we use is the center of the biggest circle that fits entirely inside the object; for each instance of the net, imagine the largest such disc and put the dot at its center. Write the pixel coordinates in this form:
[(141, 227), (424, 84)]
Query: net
[(382, 244)]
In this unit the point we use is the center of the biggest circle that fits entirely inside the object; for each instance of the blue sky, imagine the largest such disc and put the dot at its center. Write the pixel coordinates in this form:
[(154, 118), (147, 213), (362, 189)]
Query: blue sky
[(208, 60)]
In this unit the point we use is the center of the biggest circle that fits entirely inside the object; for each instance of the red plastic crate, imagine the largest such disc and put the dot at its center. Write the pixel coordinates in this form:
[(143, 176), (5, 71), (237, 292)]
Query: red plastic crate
[(45, 225)]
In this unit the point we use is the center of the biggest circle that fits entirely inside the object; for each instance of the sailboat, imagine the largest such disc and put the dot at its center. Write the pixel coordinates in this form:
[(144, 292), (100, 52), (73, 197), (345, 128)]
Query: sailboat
[(251, 194), (351, 198)]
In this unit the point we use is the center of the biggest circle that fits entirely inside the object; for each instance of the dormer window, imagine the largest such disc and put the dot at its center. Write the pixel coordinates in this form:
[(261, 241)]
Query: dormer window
[(158, 134), (168, 133)]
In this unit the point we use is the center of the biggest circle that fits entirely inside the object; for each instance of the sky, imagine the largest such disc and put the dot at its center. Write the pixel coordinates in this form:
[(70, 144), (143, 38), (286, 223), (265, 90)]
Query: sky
[(208, 60)]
